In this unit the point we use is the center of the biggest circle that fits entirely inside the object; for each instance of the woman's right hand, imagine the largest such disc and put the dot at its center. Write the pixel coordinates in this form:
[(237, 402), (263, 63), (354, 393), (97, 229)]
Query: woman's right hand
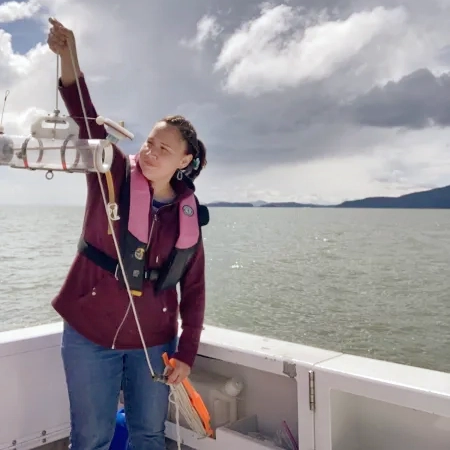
[(60, 38)]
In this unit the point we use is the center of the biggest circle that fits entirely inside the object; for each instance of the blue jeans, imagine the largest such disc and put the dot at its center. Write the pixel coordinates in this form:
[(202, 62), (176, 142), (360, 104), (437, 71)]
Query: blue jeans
[(94, 376)]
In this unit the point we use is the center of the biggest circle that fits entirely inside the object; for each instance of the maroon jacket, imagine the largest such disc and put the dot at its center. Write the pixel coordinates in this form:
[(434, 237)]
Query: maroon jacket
[(91, 299)]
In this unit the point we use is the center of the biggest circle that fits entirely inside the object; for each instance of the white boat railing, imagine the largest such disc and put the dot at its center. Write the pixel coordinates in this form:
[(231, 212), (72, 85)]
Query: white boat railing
[(331, 401)]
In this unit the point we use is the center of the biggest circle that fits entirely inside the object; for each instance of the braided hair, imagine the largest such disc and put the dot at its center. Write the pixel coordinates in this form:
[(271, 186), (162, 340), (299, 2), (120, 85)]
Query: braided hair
[(195, 146)]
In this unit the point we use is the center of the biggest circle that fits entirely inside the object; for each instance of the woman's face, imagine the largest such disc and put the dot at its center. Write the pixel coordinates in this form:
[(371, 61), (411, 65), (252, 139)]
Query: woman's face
[(163, 153)]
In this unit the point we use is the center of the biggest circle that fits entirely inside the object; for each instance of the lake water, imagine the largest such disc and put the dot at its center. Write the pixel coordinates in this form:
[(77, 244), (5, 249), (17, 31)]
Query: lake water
[(373, 283)]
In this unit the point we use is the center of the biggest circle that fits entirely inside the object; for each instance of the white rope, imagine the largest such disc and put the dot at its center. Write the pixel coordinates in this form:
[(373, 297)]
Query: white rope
[(177, 415), (105, 203), (177, 395), (180, 399), (4, 104), (57, 84)]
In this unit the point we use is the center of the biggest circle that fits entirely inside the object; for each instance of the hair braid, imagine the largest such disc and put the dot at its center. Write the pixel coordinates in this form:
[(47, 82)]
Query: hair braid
[(196, 148)]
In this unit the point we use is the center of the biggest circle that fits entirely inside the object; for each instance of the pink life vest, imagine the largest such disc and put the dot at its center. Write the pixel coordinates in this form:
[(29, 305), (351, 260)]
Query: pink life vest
[(135, 234)]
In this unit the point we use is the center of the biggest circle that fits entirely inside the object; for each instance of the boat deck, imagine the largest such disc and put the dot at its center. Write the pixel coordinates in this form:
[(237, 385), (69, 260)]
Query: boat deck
[(171, 445), (64, 445), (328, 401)]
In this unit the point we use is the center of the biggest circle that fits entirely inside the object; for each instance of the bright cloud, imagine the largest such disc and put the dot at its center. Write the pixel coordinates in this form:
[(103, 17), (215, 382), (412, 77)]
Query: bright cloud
[(12, 11), (285, 47), (291, 101), (207, 28)]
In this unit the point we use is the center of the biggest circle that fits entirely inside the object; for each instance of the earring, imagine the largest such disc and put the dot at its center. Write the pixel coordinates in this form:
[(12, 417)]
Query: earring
[(179, 175)]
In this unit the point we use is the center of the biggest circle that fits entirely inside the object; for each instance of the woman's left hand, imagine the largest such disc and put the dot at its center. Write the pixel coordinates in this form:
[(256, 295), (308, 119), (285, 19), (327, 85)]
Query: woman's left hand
[(179, 372)]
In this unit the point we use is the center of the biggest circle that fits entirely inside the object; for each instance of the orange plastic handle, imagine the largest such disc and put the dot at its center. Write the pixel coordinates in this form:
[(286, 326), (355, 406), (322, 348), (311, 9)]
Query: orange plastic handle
[(195, 398)]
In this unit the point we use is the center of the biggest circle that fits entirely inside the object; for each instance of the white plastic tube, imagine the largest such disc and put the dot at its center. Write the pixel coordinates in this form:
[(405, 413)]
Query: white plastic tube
[(68, 155)]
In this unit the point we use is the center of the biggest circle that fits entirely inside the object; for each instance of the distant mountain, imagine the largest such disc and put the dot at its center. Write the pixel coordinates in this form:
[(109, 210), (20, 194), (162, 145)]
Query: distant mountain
[(438, 198), (259, 203), (230, 205), (290, 205)]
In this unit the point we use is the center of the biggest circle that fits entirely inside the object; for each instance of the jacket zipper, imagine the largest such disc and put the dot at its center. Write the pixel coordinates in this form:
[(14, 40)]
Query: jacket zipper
[(155, 219)]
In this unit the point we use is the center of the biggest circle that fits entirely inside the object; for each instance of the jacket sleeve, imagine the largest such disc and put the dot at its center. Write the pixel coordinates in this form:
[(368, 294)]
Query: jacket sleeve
[(72, 101), (192, 307)]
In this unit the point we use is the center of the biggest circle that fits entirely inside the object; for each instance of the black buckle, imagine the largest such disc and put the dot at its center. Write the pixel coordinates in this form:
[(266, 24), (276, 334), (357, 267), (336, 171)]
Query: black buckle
[(151, 274)]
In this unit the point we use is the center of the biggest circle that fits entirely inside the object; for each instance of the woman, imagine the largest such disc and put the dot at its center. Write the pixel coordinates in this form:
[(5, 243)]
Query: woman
[(101, 346)]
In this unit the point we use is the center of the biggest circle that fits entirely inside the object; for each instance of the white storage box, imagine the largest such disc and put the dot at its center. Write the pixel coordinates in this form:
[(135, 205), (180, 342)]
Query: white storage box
[(244, 434)]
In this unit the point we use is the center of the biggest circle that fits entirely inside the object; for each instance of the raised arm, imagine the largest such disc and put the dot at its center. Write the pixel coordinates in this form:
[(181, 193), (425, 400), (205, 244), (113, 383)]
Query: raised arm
[(62, 42), (71, 98)]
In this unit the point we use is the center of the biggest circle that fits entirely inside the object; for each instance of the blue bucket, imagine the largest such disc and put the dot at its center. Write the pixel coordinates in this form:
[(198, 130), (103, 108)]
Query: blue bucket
[(120, 439)]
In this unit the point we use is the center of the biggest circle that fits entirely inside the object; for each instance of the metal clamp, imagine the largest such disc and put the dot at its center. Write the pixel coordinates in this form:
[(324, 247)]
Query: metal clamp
[(23, 154), (160, 378), (63, 155)]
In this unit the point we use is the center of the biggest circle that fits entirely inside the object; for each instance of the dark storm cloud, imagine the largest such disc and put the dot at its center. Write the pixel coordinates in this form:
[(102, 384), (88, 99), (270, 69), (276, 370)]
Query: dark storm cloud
[(418, 100), (310, 120), (283, 127)]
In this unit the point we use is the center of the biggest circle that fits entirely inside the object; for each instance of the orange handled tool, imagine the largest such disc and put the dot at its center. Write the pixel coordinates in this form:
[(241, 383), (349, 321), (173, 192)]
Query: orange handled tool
[(196, 400)]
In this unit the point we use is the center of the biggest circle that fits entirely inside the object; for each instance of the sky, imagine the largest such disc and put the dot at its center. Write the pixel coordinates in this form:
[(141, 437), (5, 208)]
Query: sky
[(311, 101)]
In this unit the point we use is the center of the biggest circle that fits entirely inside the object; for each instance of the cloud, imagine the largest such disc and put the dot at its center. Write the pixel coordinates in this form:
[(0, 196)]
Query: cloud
[(294, 100), (280, 49), (207, 29), (12, 11), (418, 100)]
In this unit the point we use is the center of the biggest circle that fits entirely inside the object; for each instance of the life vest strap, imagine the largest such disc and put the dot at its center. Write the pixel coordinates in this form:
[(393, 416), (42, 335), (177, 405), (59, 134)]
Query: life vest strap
[(112, 205), (109, 263)]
